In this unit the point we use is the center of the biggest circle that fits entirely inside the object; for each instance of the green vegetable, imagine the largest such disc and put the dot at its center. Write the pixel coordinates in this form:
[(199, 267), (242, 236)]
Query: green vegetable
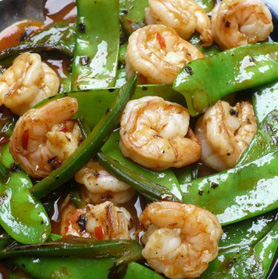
[(246, 190), (205, 81), (149, 189), (125, 250), (21, 215), (90, 146), (265, 100), (59, 37), (212, 50), (62, 268), (207, 5), (93, 104), (246, 250), (165, 178), (137, 271), (133, 14), (97, 44)]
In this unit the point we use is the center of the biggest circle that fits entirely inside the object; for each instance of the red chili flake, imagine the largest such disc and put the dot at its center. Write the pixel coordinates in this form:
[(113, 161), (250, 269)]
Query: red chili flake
[(25, 139), (129, 21), (99, 233), (161, 40), (64, 129), (3, 140)]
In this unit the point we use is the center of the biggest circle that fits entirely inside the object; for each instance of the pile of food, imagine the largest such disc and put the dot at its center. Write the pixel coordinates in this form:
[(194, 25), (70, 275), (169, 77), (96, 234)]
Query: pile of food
[(140, 140)]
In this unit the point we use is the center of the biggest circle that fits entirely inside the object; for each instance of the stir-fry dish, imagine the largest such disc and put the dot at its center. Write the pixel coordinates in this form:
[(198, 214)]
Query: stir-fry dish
[(139, 139)]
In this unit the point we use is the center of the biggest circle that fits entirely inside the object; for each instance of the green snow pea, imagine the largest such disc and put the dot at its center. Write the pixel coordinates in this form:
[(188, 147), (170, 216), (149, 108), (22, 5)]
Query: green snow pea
[(59, 37), (246, 250), (165, 178), (195, 40), (148, 188), (62, 268), (97, 44), (21, 215), (265, 100), (246, 190), (207, 5), (125, 250), (93, 104), (90, 145), (133, 14), (137, 271), (205, 81)]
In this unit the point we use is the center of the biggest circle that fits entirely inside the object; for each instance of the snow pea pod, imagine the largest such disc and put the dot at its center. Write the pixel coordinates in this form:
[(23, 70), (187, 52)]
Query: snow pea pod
[(97, 44), (132, 14), (93, 104), (165, 178), (62, 268), (124, 250), (59, 37), (89, 146), (148, 188), (204, 81), (265, 100), (21, 215), (246, 190), (246, 250)]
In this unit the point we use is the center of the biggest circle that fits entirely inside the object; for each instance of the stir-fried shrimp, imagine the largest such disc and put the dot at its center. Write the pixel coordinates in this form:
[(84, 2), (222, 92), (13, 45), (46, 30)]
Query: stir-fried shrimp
[(155, 133), (158, 53), (185, 16), (102, 186), (181, 239), (103, 222), (44, 138), (27, 82), (225, 132), (240, 22)]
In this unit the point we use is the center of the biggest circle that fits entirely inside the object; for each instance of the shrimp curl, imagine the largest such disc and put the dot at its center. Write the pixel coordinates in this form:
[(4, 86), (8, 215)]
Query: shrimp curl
[(181, 239)]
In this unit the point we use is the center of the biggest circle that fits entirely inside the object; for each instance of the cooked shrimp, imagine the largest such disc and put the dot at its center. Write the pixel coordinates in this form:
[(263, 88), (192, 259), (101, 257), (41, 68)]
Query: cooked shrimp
[(225, 132), (103, 222), (158, 53), (44, 138), (185, 16), (240, 22), (181, 239), (102, 186), (156, 134), (27, 82)]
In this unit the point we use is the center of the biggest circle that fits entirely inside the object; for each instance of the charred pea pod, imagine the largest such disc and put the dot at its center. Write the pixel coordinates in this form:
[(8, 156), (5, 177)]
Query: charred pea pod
[(21, 215), (149, 189), (124, 250), (97, 44), (204, 81), (246, 190), (90, 146), (59, 37)]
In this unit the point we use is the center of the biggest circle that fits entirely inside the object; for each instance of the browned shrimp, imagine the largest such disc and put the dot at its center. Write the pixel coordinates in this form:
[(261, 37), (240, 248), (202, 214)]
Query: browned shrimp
[(240, 22), (181, 239), (44, 138), (185, 16), (27, 82), (156, 134), (158, 53)]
